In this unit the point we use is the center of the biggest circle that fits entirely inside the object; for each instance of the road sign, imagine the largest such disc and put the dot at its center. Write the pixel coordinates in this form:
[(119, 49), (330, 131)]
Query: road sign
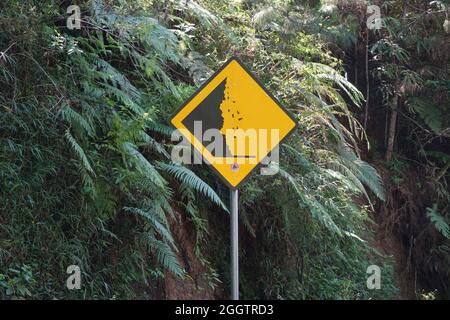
[(233, 122)]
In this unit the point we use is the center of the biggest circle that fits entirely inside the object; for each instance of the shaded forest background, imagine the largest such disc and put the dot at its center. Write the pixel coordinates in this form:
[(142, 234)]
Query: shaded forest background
[(86, 177)]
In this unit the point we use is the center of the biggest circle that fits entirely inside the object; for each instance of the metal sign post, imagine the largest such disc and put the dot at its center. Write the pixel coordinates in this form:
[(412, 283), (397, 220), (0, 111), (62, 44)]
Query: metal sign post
[(234, 194)]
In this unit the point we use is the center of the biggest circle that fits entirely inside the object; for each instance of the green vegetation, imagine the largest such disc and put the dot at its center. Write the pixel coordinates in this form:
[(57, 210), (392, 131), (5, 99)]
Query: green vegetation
[(85, 170)]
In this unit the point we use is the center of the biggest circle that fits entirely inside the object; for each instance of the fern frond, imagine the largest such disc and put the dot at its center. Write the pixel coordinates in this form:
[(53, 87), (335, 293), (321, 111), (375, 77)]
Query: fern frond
[(152, 219), (362, 170), (75, 119), (327, 73), (118, 79), (153, 144), (438, 220), (430, 113), (79, 152), (264, 16), (159, 128), (166, 256), (144, 165), (189, 178), (317, 210)]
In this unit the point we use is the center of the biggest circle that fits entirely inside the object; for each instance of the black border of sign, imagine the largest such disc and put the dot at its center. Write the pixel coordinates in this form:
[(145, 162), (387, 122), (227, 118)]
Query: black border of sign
[(235, 58)]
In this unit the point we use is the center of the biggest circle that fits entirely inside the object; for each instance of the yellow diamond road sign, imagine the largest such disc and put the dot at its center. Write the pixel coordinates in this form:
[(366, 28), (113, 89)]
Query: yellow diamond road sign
[(233, 122)]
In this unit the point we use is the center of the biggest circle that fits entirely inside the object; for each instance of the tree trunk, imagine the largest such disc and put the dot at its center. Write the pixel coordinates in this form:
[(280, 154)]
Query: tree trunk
[(356, 63), (366, 113), (391, 132)]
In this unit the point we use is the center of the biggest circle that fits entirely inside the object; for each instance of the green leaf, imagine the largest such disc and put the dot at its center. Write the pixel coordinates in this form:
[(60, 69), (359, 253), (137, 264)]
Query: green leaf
[(439, 221), (189, 178)]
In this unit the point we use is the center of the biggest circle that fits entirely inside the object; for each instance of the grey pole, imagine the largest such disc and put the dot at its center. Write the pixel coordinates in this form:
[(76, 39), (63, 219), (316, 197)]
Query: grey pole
[(234, 245)]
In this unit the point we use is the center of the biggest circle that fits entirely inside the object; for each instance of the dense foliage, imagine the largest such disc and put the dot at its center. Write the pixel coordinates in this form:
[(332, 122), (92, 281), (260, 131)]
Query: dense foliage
[(86, 175)]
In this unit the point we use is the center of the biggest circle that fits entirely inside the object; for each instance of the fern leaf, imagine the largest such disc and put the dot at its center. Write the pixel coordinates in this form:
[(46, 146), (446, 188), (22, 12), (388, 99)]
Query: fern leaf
[(189, 178), (144, 165), (428, 111), (79, 152), (76, 119), (166, 256), (152, 219), (263, 17), (362, 170), (438, 220), (317, 210)]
